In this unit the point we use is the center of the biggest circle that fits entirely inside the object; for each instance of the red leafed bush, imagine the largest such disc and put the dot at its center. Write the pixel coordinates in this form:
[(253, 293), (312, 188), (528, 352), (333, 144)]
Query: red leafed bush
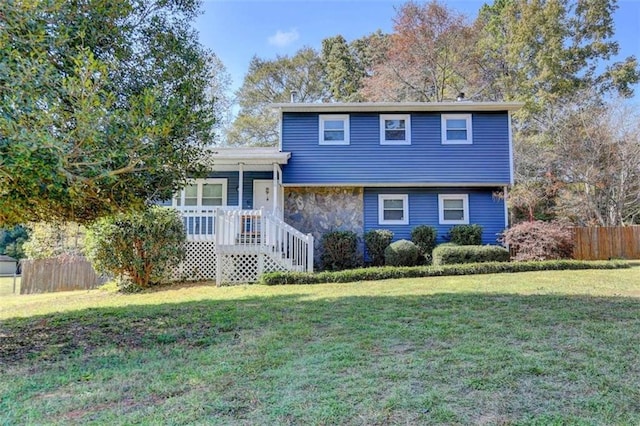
[(539, 241)]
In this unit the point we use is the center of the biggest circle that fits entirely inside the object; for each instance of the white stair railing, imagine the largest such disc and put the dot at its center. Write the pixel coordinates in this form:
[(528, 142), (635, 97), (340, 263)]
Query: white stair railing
[(289, 244), (256, 231)]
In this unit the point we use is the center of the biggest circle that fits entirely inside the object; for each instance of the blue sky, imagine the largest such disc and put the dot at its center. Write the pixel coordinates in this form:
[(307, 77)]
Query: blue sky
[(236, 30)]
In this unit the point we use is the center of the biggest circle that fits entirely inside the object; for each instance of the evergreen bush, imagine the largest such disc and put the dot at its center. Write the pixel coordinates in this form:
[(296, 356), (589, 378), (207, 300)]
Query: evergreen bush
[(466, 235), (402, 253), (339, 250), (424, 237), (376, 241), (137, 248)]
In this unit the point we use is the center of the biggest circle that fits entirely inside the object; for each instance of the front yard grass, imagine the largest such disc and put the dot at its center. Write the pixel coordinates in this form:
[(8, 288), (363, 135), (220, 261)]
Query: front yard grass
[(6, 287), (557, 347)]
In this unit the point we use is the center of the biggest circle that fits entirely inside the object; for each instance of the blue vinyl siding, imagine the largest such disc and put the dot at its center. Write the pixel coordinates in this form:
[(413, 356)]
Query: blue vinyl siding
[(247, 187), (426, 160), (232, 186), (423, 210)]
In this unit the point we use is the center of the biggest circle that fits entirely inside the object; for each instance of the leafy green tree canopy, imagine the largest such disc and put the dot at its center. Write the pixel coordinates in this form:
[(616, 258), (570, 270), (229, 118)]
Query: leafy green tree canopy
[(541, 51), (104, 105), (269, 81), (12, 241)]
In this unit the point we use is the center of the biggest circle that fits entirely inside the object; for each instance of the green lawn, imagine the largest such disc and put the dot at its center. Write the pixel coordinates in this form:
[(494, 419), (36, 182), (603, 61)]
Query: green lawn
[(6, 287), (528, 348)]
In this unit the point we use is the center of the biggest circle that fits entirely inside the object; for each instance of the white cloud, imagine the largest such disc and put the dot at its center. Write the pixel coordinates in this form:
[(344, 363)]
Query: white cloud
[(284, 38)]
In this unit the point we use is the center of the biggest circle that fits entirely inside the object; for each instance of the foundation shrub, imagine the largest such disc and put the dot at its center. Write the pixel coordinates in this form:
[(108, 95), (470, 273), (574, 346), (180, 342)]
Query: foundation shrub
[(376, 241), (339, 250), (402, 253), (466, 235), (539, 240), (424, 237)]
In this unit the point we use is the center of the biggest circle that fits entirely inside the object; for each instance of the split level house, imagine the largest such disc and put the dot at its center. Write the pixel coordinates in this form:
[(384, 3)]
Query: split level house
[(347, 166)]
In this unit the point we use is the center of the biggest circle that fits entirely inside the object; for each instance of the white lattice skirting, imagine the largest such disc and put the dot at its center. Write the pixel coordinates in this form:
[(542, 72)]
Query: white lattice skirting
[(236, 268), (199, 264)]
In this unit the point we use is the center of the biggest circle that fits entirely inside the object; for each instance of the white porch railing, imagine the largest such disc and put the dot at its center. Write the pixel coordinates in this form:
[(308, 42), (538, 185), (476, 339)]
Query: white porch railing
[(199, 222), (246, 231)]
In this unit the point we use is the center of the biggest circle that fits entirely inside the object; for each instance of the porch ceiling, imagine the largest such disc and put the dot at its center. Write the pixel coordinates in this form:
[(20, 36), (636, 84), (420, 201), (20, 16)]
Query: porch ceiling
[(253, 159)]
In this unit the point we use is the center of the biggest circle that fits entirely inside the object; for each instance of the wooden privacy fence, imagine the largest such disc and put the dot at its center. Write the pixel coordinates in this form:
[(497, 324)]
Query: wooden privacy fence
[(62, 273), (607, 242)]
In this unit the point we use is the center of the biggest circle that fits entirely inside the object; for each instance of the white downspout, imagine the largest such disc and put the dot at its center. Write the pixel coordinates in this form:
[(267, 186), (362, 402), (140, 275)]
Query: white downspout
[(240, 184), (506, 208)]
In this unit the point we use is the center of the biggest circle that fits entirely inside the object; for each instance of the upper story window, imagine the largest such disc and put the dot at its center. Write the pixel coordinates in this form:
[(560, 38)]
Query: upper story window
[(395, 129), (393, 209), (203, 193), (453, 209), (334, 129), (456, 129)]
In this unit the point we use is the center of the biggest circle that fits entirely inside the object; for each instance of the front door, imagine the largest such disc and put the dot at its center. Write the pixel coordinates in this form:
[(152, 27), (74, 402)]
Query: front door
[(263, 195)]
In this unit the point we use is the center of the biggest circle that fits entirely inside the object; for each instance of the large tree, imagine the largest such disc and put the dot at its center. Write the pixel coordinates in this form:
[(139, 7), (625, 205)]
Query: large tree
[(540, 51), (347, 65), (269, 81), (596, 155), (429, 57), (104, 105)]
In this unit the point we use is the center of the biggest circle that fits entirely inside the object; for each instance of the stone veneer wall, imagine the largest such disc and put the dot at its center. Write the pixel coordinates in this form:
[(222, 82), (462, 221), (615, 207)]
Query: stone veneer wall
[(318, 210)]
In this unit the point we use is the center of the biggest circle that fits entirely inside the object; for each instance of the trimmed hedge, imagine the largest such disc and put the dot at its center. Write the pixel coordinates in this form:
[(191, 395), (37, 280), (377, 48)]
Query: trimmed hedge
[(386, 272), (401, 253), (451, 254)]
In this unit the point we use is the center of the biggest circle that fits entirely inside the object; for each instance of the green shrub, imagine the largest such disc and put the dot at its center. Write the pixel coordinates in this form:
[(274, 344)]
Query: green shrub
[(539, 241), (424, 237), (387, 272), (466, 235), (402, 253), (451, 254), (137, 248), (376, 241), (339, 250)]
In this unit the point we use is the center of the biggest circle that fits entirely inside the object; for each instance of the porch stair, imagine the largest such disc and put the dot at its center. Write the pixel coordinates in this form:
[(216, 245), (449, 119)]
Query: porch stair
[(252, 242)]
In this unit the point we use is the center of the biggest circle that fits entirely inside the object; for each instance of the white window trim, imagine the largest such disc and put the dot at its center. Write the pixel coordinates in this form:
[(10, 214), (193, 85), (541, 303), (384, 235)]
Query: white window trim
[(465, 206), (405, 207), (468, 119), (333, 117), (407, 129), (199, 183)]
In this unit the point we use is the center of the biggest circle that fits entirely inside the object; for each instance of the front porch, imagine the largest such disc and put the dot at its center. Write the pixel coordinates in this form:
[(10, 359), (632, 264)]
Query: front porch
[(233, 220), (232, 245)]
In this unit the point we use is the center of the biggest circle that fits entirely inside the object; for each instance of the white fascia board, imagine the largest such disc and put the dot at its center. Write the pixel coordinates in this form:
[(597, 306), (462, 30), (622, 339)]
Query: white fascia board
[(347, 107), (402, 184), (230, 156)]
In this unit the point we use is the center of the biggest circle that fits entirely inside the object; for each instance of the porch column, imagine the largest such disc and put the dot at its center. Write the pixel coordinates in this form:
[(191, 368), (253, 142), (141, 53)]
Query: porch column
[(240, 184), (275, 188)]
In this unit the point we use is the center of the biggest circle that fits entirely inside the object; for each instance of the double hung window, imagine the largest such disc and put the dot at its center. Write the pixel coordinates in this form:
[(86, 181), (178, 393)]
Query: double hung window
[(456, 129), (393, 209)]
